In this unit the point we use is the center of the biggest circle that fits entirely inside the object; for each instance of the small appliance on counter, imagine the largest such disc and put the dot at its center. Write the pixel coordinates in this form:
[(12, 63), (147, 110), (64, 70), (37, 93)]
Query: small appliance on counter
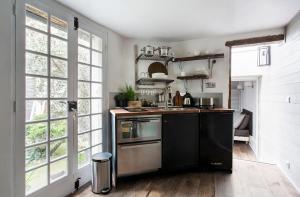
[(188, 100), (206, 103)]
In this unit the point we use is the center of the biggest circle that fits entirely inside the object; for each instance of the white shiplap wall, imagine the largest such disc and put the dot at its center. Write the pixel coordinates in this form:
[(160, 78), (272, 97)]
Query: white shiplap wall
[(236, 99), (279, 120)]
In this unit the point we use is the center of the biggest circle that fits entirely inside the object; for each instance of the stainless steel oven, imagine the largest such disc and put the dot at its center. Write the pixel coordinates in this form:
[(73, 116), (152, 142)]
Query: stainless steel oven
[(139, 144), (139, 128)]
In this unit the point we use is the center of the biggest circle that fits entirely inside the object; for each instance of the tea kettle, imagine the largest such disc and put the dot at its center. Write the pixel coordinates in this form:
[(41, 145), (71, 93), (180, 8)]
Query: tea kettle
[(188, 100)]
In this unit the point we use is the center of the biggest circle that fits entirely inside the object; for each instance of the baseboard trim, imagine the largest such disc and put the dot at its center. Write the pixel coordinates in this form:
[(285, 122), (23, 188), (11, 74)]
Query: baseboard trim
[(287, 176)]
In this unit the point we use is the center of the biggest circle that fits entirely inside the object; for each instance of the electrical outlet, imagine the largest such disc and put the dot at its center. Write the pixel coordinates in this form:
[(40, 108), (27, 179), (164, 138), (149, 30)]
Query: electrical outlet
[(210, 85)]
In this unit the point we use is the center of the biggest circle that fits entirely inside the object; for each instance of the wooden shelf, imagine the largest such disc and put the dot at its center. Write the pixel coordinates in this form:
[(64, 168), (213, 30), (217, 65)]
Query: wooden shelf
[(165, 59), (198, 57), (193, 77), (153, 81)]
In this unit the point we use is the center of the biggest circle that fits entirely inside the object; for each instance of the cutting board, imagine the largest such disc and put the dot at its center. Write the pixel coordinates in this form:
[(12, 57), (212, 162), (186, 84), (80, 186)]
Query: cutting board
[(157, 67)]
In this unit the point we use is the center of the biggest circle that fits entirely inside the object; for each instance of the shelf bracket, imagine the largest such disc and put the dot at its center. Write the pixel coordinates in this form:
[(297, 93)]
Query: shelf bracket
[(211, 66)]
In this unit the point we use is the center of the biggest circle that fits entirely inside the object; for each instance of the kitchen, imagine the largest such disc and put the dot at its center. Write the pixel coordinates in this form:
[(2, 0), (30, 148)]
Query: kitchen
[(176, 132), (128, 98)]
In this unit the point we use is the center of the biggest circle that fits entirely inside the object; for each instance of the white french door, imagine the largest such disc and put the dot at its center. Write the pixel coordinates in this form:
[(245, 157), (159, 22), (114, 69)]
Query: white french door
[(57, 66), (89, 97)]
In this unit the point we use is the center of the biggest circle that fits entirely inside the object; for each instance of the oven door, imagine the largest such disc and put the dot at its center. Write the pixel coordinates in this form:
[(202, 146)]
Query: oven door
[(136, 158), (138, 129)]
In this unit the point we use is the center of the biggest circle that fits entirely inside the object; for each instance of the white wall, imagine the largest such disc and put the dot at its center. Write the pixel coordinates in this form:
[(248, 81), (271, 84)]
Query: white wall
[(116, 66), (278, 119), (220, 71), (248, 101), (124, 72), (6, 88)]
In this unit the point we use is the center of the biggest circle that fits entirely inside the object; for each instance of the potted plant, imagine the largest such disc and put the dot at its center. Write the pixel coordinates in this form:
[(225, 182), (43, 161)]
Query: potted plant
[(121, 100), (128, 95)]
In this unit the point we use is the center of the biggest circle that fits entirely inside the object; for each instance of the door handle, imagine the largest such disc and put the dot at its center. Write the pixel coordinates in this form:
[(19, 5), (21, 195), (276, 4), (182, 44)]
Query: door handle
[(72, 106), (137, 145)]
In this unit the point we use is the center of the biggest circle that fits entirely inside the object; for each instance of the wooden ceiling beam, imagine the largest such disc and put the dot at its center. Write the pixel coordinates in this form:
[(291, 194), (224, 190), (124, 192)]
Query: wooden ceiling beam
[(255, 40)]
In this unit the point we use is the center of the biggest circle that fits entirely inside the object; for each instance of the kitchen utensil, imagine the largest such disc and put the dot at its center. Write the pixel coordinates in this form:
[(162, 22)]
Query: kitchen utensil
[(157, 67), (164, 51), (148, 50)]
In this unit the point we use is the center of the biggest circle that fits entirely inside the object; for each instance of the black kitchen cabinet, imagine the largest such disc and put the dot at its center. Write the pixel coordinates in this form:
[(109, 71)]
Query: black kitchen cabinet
[(216, 140), (180, 137)]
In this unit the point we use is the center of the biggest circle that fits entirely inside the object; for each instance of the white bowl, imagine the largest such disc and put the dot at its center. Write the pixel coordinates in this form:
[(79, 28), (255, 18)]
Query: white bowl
[(159, 75)]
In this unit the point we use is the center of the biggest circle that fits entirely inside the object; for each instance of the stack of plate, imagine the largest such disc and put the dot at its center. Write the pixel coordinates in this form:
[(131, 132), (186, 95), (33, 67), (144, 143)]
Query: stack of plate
[(159, 76)]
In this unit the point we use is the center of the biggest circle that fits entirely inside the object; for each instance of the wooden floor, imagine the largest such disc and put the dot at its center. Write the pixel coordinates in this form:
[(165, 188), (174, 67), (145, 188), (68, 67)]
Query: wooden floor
[(243, 151), (248, 179)]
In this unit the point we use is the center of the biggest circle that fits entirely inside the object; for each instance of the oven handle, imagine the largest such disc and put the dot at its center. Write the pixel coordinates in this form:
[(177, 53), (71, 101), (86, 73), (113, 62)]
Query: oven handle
[(141, 119), (136, 145)]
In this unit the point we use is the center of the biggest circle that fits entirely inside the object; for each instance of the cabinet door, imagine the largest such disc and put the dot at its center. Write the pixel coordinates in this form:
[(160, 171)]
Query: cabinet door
[(216, 140), (180, 141)]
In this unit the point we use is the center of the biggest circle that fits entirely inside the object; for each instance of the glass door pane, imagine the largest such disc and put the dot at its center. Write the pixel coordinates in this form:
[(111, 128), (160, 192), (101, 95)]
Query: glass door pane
[(89, 96), (46, 74)]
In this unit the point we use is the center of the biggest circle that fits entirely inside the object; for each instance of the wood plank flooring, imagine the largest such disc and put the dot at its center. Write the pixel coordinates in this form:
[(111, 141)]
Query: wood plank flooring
[(243, 151), (249, 179)]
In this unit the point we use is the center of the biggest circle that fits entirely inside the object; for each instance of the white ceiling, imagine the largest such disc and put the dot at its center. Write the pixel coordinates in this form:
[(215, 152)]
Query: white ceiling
[(186, 19)]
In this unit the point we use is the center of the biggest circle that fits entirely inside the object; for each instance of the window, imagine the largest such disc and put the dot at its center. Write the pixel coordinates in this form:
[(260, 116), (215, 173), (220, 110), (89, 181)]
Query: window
[(89, 96), (46, 73)]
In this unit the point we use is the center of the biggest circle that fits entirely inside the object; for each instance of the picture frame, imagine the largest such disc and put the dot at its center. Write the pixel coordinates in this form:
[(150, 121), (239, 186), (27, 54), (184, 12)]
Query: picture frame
[(263, 56)]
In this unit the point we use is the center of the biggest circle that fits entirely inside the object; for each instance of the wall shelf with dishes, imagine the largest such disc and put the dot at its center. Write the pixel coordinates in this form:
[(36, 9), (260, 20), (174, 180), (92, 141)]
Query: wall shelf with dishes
[(153, 81), (157, 70), (155, 54), (165, 59), (202, 74), (193, 77), (198, 57)]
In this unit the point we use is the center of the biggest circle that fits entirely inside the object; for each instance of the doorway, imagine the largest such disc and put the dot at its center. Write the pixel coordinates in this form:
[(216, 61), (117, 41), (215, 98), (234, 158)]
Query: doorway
[(245, 102), (245, 98)]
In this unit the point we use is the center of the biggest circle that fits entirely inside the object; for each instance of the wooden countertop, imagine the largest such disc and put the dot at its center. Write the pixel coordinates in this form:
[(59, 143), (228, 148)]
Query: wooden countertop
[(154, 111)]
